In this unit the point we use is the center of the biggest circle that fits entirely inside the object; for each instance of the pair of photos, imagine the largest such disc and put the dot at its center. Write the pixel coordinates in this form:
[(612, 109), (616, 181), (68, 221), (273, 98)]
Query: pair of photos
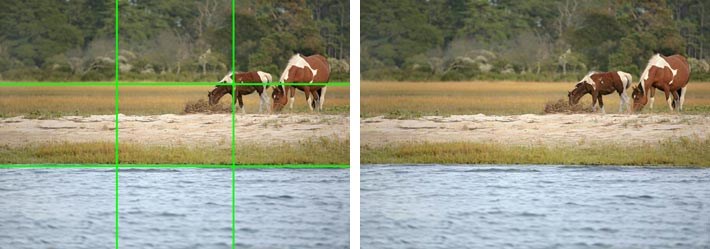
[(227, 124)]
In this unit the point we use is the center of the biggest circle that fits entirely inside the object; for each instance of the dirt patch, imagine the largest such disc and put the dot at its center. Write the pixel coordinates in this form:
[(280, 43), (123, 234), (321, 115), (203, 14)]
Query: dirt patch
[(203, 106), (169, 129), (530, 129), (563, 106)]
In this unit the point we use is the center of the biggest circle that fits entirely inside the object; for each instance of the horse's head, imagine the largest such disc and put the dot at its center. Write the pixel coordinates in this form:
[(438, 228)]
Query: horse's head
[(579, 90), (217, 93), (220, 90), (639, 98), (279, 98)]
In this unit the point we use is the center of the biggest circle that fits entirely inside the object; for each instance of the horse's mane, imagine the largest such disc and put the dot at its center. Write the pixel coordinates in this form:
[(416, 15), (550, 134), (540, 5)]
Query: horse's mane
[(227, 78), (588, 78)]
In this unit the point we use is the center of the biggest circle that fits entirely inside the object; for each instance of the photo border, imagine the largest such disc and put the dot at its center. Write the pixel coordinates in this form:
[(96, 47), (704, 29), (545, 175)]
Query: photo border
[(117, 164)]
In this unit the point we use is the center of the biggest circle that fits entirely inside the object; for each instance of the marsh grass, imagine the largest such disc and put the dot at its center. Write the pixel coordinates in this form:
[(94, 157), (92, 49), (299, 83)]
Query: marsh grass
[(52, 102), (677, 152), (313, 151), (414, 99)]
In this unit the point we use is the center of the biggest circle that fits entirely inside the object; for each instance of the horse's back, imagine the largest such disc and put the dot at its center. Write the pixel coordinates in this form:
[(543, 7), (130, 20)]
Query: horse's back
[(680, 63), (319, 63)]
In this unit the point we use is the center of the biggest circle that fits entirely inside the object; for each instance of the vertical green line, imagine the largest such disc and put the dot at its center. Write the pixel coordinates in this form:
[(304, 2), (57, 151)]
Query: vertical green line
[(116, 106), (234, 145)]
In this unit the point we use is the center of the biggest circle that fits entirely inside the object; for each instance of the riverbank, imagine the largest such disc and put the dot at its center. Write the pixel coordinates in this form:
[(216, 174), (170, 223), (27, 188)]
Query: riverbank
[(579, 139), (180, 139)]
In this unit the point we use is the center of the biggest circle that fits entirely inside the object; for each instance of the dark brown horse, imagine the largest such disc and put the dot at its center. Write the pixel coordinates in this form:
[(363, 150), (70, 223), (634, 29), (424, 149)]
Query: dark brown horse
[(248, 77), (300, 69), (668, 74), (602, 83)]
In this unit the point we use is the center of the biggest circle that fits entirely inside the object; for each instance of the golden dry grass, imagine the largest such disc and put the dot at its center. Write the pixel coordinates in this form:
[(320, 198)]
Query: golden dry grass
[(134, 100), (675, 152), (407, 99), (16, 101)]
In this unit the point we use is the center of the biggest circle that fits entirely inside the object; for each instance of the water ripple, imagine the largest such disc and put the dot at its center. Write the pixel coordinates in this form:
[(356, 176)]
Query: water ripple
[(170, 208), (534, 207)]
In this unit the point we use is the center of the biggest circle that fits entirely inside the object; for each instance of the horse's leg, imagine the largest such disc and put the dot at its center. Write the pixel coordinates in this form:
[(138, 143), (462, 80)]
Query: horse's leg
[(260, 92), (321, 101), (669, 98), (316, 99), (594, 102), (676, 99), (292, 99), (624, 101), (682, 97), (309, 99), (267, 99), (241, 103), (601, 103), (653, 94)]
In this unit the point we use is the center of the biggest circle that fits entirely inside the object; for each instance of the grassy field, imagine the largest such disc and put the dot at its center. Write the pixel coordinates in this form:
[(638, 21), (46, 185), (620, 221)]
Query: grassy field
[(413, 99), (680, 152), (49, 102), (319, 151)]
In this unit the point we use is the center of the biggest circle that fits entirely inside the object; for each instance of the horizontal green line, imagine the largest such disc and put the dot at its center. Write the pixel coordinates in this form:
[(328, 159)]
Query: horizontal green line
[(173, 166), (228, 84), (57, 84), (112, 84)]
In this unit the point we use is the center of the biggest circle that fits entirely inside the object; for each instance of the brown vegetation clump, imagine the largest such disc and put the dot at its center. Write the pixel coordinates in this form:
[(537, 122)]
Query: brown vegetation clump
[(203, 106), (562, 106)]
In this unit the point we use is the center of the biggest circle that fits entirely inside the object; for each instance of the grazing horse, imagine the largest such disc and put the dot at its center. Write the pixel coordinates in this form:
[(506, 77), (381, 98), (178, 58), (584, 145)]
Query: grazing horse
[(668, 74), (602, 83), (249, 77), (300, 69)]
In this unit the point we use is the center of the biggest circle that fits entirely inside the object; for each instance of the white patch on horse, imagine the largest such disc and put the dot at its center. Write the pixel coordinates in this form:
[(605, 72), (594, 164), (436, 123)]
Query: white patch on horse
[(626, 80), (227, 78), (265, 77), (263, 98), (299, 62), (588, 79), (659, 62)]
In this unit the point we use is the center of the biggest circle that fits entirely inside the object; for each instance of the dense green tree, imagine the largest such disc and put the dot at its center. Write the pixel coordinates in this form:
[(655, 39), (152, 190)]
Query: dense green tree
[(67, 40), (537, 39)]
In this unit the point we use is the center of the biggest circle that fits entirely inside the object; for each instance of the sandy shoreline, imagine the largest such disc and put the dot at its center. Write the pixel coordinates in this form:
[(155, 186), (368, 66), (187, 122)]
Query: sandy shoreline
[(170, 129), (532, 129)]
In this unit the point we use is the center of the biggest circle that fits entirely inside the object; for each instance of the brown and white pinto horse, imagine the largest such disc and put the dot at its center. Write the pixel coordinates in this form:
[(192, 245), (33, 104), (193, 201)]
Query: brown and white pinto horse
[(248, 77), (300, 69), (602, 83), (668, 74)]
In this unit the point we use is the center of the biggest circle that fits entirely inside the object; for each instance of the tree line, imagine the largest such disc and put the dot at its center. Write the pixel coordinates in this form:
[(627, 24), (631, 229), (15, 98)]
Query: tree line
[(166, 40), (527, 40)]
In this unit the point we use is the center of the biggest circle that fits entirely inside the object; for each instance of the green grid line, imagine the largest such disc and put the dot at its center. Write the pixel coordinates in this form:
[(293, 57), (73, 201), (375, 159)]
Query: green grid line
[(174, 166), (75, 84), (234, 134), (116, 79)]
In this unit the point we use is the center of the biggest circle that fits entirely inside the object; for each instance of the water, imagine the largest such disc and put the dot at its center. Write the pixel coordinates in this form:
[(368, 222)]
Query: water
[(534, 207), (186, 208)]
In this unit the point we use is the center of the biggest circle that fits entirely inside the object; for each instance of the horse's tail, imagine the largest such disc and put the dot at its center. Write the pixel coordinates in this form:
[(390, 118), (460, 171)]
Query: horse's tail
[(269, 78), (626, 78)]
